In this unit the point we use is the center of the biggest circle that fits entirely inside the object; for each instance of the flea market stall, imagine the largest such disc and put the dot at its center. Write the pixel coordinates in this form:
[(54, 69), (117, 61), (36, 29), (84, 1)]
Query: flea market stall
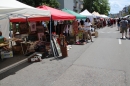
[(78, 35), (57, 25), (21, 21)]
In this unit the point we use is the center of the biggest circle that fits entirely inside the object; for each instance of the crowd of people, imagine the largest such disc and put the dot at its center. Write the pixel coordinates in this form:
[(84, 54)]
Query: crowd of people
[(98, 23)]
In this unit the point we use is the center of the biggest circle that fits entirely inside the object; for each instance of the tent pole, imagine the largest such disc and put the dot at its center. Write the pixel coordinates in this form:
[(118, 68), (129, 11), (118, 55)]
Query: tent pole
[(9, 26), (10, 30)]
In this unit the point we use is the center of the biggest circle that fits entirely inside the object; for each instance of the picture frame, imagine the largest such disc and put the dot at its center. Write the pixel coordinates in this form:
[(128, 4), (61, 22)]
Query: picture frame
[(57, 46), (32, 26)]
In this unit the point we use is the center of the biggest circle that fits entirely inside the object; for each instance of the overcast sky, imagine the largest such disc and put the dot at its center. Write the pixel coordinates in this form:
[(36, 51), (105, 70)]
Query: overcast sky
[(118, 5)]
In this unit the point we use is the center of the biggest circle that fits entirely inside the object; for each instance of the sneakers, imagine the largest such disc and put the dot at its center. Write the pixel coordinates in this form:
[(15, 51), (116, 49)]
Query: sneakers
[(126, 37), (121, 38)]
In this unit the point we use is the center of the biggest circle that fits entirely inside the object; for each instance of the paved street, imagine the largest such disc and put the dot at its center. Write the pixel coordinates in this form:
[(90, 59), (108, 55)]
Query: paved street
[(105, 62)]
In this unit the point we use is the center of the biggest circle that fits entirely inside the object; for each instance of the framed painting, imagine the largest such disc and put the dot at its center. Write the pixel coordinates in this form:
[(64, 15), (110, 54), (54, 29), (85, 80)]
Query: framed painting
[(32, 26)]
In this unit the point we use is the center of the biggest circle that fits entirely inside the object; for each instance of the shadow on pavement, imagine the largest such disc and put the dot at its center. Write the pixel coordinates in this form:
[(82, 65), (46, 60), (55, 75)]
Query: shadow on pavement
[(13, 70), (123, 38)]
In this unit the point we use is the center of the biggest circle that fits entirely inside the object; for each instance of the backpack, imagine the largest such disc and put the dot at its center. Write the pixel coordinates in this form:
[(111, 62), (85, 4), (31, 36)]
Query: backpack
[(124, 24)]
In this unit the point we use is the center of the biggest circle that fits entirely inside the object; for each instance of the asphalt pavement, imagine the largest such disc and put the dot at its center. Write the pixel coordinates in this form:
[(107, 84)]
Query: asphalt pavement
[(105, 62)]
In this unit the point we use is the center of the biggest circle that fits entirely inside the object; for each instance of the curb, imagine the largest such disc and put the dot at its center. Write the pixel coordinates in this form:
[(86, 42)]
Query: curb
[(13, 65)]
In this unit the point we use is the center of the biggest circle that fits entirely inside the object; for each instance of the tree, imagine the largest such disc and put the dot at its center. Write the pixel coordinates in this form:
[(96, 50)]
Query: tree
[(51, 3), (129, 10), (101, 6), (36, 3)]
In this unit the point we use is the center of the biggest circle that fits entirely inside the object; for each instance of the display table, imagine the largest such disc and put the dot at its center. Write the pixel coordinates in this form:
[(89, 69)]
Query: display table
[(3, 44)]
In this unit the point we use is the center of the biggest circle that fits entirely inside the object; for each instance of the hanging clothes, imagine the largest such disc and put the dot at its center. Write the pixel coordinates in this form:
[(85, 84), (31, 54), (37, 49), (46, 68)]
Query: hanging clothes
[(75, 26)]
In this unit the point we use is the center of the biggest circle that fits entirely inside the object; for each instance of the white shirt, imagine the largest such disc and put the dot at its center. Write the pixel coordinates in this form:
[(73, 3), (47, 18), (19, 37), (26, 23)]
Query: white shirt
[(86, 24)]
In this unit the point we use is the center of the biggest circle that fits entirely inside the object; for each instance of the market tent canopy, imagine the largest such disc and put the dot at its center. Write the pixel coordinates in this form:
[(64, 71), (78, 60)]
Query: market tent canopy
[(78, 16), (22, 11), (88, 14), (104, 16), (13, 4), (96, 14), (57, 14), (127, 16)]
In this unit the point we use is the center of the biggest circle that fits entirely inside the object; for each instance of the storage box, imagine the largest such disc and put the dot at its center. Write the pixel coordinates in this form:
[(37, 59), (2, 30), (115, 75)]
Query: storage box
[(96, 34), (35, 57), (64, 51), (6, 54)]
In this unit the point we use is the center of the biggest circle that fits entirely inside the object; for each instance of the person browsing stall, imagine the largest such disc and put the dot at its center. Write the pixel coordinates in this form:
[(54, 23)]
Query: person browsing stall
[(87, 28), (3, 40)]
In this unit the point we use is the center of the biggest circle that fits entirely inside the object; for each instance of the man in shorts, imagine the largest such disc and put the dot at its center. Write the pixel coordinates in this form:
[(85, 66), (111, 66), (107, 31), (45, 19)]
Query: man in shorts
[(124, 27)]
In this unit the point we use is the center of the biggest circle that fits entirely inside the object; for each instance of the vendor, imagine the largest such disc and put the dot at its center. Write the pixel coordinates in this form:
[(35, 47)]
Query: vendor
[(3, 40)]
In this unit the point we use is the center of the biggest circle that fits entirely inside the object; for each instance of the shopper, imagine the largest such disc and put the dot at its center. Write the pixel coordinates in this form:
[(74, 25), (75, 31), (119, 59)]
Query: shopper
[(82, 22), (87, 28), (124, 27), (118, 24), (3, 40)]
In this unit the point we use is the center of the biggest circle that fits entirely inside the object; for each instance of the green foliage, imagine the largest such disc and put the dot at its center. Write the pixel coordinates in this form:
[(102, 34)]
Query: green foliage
[(52, 3), (129, 10), (101, 6), (36, 3)]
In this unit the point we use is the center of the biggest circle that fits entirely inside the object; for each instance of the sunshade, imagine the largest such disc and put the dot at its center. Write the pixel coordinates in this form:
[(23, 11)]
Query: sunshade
[(87, 13), (78, 16), (96, 14), (22, 11), (57, 14)]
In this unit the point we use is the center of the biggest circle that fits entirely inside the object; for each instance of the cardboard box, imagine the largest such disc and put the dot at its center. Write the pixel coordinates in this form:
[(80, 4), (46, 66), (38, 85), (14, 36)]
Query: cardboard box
[(64, 51), (96, 34), (6, 54)]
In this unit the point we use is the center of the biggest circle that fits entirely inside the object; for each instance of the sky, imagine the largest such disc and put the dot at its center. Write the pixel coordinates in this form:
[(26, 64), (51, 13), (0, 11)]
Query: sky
[(118, 5)]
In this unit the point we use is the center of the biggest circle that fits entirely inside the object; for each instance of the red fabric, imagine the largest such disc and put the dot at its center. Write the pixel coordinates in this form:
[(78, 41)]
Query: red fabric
[(30, 19), (39, 19), (18, 20), (58, 14)]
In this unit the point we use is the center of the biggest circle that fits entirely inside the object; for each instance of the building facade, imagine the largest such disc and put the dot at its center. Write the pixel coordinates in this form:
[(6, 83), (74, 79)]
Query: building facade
[(75, 5)]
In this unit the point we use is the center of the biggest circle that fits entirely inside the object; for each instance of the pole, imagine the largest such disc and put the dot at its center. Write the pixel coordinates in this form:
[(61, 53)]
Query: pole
[(10, 30)]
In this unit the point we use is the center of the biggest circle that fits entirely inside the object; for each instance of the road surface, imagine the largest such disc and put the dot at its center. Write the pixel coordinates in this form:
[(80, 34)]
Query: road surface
[(105, 62)]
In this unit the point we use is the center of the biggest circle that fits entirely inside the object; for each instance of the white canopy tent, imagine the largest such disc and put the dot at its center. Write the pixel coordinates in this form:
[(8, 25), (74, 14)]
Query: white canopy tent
[(12, 9), (127, 16), (16, 7), (96, 14), (88, 14), (104, 16)]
